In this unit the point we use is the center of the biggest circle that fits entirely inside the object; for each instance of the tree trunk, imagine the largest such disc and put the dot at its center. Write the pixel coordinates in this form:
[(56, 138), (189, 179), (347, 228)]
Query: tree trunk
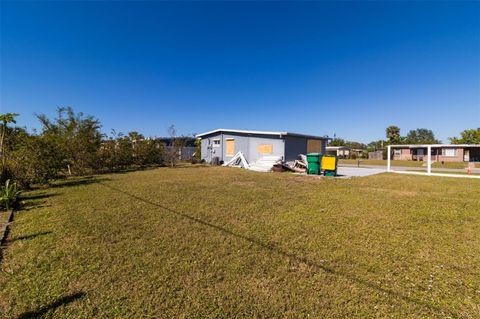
[(2, 146)]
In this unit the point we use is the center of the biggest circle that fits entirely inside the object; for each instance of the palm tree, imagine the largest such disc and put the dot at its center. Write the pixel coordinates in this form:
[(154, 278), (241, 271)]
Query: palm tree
[(393, 134), (5, 119)]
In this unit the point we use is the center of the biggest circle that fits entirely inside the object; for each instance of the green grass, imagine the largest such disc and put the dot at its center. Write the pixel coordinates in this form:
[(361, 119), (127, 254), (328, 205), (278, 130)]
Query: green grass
[(447, 172), (225, 242), (3, 220), (404, 163)]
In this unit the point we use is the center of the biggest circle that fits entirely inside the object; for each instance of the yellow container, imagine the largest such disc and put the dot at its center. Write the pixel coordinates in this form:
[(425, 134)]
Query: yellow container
[(329, 163)]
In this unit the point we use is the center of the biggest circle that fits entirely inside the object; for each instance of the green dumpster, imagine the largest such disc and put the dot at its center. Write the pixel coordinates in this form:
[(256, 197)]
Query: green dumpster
[(313, 160)]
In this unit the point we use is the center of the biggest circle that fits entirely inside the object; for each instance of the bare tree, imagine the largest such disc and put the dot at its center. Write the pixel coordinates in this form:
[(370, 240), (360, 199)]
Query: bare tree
[(174, 149)]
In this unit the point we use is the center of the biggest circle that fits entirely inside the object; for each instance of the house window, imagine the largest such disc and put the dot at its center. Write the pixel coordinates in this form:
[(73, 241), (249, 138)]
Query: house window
[(397, 152), (448, 152), (230, 151), (216, 143)]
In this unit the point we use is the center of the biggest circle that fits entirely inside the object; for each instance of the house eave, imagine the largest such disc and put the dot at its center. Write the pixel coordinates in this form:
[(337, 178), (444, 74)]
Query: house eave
[(280, 134)]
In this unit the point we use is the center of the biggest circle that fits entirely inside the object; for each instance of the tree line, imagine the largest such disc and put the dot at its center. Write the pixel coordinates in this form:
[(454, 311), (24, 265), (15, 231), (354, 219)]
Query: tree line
[(73, 144)]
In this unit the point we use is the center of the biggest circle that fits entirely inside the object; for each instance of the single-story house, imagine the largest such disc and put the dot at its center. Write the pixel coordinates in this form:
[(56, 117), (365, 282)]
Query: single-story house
[(225, 143), (339, 151), (344, 151), (376, 155), (439, 153)]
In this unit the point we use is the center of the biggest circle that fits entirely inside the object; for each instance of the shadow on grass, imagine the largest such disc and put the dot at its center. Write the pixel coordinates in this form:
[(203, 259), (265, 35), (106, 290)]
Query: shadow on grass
[(29, 202), (291, 256), (124, 170), (31, 236), (37, 196), (57, 303), (78, 181), (189, 166)]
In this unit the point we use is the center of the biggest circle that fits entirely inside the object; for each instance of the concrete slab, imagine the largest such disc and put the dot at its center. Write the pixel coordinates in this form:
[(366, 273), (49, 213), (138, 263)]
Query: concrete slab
[(358, 171)]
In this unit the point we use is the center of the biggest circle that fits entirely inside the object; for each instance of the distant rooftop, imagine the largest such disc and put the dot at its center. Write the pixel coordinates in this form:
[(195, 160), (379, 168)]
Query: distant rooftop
[(334, 148), (223, 130)]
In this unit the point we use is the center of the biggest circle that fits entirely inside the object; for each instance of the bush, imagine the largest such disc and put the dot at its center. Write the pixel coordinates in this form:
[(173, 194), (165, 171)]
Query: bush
[(198, 149), (8, 195), (35, 161), (72, 144)]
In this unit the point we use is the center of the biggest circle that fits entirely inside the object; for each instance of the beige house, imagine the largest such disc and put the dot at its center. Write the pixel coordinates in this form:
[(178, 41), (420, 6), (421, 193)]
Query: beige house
[(339, 151), (344, 151), (439, 152)]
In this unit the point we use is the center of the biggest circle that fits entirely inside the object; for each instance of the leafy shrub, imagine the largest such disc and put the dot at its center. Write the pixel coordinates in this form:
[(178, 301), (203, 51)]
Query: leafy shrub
[(198, 149), (35, 161), (8, 195)]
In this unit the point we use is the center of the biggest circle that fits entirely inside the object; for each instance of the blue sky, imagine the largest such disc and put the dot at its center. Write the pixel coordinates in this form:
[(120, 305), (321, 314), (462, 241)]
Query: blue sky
[(350, 68)]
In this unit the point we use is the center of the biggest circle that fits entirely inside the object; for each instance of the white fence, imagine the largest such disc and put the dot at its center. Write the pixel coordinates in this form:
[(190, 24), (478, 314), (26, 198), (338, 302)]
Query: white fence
[(429, 166)]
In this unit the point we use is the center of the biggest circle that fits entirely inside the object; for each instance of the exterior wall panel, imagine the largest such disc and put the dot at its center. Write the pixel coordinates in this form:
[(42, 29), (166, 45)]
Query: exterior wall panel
[(408, 154), (295, 145), (255, 146)]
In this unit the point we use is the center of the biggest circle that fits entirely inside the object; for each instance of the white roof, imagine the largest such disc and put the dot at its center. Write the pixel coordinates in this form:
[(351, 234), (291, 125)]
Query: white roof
[(334, 148), (434, 145), (257, 133)]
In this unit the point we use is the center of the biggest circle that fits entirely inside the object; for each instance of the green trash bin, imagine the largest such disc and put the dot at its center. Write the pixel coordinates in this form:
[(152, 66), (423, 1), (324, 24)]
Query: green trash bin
[(313, 160)]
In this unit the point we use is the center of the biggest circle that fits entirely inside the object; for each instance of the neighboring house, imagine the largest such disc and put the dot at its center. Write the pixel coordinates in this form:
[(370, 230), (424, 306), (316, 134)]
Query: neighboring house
[(224, 144), (376, 155), (345, 151), (339, 151), (187, 151), (439, 153), (359, 153)]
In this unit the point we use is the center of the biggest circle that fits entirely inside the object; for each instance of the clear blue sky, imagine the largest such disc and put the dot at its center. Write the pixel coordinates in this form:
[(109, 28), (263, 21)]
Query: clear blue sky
[(348, 68)]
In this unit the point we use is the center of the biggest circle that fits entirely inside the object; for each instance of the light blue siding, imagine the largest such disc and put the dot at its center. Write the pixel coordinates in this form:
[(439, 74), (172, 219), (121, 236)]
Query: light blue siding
[(287, 147)]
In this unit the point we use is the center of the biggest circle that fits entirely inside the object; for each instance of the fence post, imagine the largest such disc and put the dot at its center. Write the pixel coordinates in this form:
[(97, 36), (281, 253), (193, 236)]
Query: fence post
[(429, 159), (388, 157)]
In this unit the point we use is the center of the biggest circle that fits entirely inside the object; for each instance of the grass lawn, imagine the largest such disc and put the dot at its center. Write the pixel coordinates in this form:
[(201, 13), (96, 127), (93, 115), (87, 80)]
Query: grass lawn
[(404, 163), (224, 242), (446, 172)]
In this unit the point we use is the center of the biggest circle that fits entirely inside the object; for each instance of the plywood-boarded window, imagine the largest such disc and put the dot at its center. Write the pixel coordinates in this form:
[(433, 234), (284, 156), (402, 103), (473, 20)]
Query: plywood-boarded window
[(314, 146), (230, 144), (265, 148)]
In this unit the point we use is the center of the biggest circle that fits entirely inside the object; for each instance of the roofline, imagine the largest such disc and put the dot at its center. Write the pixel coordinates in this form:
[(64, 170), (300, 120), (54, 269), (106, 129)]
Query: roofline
[(434, 145), (259, 133), (337, 147)]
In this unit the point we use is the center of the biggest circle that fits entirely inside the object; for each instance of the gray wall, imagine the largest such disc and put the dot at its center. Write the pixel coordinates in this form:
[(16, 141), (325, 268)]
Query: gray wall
[(243, 142), (287, 147), (295, 145), (208, 152), (186, 153)]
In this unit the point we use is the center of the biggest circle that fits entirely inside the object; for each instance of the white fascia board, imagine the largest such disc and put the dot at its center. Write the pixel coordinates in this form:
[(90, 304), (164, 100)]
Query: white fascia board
[(241, 131)]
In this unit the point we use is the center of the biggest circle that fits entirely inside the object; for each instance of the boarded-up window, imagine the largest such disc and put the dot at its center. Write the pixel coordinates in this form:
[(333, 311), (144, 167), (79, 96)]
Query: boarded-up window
[(314, 146), (265, 148), (230, 151)]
